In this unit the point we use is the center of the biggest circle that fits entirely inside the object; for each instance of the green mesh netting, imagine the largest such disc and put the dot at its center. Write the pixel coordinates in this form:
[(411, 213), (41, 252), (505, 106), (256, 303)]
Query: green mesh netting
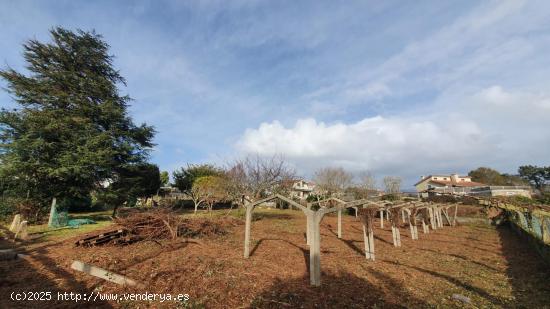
[(79, 222), (59, 218)]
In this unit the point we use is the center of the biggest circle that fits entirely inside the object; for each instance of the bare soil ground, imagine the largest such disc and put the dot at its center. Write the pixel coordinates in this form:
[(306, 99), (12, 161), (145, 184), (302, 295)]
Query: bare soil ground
[(491, 266)]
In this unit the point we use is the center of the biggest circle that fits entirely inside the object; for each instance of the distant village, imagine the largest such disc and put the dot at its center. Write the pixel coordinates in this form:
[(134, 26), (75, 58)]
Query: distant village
[(430, 185)]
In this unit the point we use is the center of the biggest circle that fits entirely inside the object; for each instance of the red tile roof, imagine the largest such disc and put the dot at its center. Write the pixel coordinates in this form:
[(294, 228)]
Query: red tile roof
[(458, 184), (429, 178)]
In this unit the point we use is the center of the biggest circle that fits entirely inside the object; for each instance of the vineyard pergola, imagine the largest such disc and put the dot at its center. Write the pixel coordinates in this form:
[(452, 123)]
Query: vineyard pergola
[(366, 211)]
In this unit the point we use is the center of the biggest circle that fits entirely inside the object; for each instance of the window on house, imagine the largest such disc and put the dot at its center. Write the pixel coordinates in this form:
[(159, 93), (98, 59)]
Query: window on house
[(435, 178), (445, 178)]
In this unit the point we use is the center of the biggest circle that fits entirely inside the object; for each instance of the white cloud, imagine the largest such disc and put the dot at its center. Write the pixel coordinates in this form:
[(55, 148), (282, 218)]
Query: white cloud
[(375, 143), (487, 127)]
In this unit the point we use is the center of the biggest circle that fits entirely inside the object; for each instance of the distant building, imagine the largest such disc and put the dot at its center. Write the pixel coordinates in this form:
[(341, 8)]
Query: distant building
[(172, 193), (452, 183), (301, 189)]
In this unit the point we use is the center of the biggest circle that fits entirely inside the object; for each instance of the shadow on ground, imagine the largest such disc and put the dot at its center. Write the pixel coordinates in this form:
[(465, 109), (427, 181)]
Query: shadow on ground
[(20, 276), (526, 270), (305, 252), (337, 290)]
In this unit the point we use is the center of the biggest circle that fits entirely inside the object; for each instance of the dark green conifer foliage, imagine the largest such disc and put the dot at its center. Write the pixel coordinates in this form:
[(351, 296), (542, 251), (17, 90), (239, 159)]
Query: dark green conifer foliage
[(71, 130)]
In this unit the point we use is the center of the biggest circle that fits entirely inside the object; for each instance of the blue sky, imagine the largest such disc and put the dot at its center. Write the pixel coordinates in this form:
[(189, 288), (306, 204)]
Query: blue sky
[(401, 88)]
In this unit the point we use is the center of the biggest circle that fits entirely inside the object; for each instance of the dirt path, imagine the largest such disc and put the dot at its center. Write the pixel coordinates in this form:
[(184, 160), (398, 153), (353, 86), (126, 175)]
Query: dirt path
[(492, 267)]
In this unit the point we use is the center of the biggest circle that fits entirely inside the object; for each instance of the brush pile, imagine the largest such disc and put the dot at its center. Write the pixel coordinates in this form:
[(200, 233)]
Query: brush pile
[(159, 224), (166, 224)]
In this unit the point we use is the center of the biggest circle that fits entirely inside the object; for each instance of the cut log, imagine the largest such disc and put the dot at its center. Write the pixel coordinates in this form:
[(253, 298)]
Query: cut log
[(8, 254), (119, 236)]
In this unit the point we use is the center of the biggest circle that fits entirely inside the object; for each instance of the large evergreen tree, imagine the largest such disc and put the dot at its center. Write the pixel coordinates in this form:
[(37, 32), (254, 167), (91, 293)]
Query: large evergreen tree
[(71, 130)]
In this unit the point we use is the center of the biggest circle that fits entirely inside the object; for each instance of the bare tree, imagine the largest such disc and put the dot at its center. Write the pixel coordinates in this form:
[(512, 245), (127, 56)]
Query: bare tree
[(392, 184), (367, 181), (197, 195), (333, 180), (364, 187), (255, 177)]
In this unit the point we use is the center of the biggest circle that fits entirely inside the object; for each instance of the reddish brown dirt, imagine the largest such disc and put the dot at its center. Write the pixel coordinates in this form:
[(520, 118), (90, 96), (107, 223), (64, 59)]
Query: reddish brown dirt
[(492, 267)]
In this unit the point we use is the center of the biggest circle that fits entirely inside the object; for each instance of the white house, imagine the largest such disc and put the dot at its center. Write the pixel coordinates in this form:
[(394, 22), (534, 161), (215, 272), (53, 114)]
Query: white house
[(302, 189), (452, 183)]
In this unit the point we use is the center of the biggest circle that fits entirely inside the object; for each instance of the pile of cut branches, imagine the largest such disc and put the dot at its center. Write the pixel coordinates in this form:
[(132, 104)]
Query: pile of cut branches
[(157, 224), (167, 224)]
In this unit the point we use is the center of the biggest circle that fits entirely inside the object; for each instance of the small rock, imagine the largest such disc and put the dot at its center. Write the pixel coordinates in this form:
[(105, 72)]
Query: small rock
[(462, 298)]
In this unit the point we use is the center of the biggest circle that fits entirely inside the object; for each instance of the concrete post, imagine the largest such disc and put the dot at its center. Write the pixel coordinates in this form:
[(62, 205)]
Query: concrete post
[(432, 218), (411, 223), (52, 212), (22, 232), (247, 231), (411, 230), (398, 237), (315, 249), (105, 274), (308, 230), (368, 239), (15, 223), (366, 242), (456, 212), (339, 223), (371, 243), (381, 219), (446, 214)]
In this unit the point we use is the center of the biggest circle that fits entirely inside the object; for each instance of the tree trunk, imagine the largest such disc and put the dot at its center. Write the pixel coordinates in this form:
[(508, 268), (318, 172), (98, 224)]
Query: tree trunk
[(114, 211)]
